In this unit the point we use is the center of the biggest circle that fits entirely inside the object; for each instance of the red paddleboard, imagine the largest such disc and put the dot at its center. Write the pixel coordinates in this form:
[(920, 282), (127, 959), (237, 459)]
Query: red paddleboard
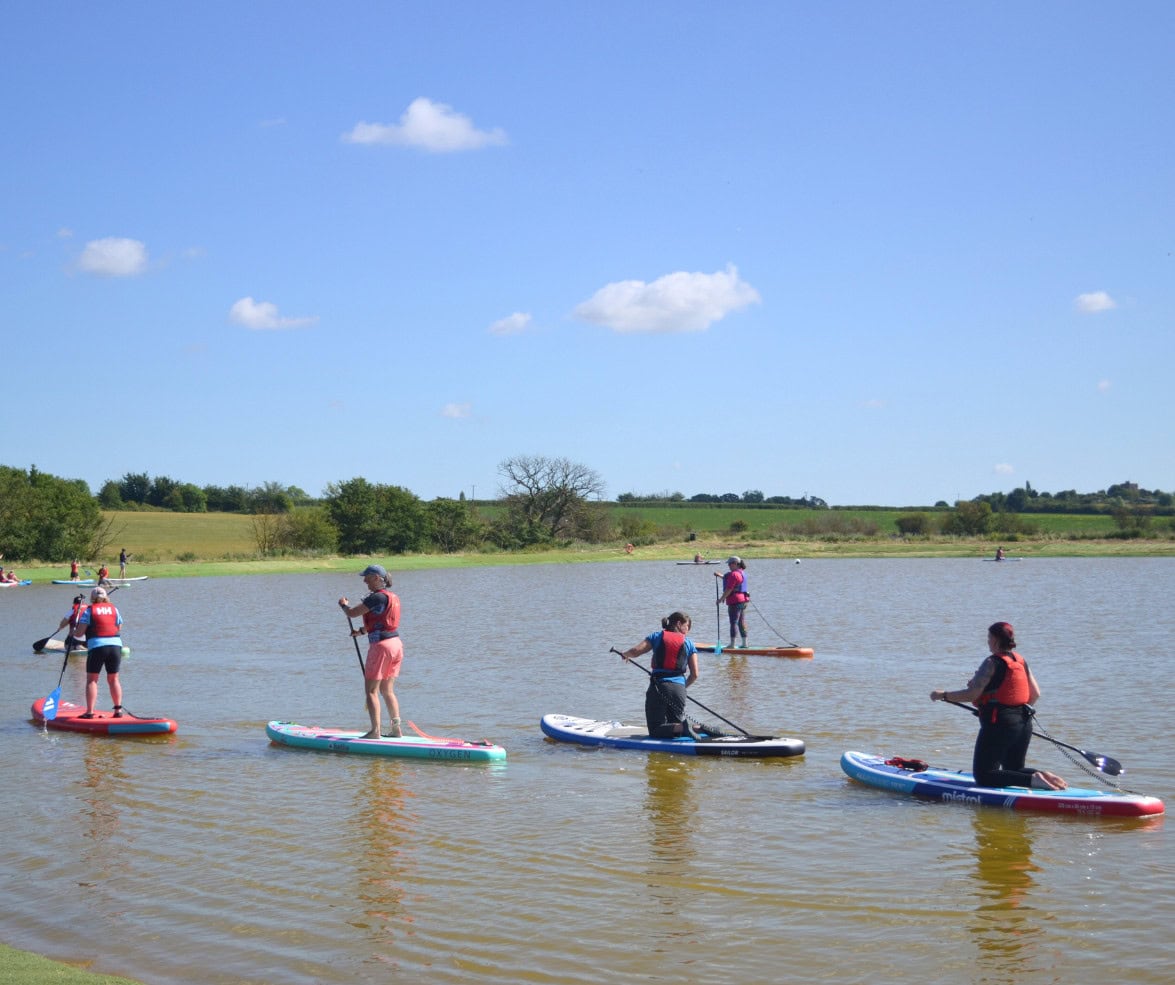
[(103, 723)]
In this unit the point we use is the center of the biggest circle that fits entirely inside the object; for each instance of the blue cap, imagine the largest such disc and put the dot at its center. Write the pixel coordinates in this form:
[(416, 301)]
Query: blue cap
[(374, 569)]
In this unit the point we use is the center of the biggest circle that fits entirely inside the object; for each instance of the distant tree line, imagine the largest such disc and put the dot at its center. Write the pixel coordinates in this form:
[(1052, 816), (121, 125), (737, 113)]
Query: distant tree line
[(542, 501), (138, 490), (752, 497), (1121, 495)]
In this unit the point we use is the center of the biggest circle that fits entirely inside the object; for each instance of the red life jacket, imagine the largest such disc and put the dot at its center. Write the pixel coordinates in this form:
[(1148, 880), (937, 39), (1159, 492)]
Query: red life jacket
[(387, 621), (669, 656), (75, 619), (103, 620), (1010, 688)]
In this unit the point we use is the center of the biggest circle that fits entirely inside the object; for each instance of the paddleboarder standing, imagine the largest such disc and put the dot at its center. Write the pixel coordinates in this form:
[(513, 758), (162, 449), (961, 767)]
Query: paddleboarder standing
[(102, 622), (385, 650), (736, 596)]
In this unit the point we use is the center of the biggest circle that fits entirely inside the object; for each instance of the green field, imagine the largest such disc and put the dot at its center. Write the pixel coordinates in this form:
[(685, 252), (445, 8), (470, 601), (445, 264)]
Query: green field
[(160, 536), (165, 544), (765, 522)]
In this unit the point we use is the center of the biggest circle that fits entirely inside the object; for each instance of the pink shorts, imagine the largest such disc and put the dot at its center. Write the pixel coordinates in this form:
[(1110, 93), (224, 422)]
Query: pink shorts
[(383, 659)]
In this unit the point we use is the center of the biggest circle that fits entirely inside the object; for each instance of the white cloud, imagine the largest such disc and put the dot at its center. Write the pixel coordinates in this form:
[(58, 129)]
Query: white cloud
[(65, 233), (113, 257), (1092, 303), (678, 302), (261, 315), (456, 411), (1003, 469), (511, 325), (874, 403), (1104, 386), (428, 125)]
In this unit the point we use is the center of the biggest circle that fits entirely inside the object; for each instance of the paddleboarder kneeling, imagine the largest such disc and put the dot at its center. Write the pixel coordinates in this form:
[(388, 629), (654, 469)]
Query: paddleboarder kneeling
[(674, 657), (385, 650), (1003, 689), (75, 640)]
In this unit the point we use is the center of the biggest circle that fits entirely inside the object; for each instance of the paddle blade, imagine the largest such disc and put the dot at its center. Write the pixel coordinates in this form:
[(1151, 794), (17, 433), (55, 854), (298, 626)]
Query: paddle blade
[(1107, 764), (40, 644), (49, 708)]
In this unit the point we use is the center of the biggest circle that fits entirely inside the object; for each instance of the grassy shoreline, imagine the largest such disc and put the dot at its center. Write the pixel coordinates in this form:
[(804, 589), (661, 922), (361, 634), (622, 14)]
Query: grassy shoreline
[(29, 968), (715, 549)]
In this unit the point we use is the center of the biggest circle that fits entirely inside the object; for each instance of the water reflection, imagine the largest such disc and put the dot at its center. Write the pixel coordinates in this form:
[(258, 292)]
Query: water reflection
[(1005, 925), (104, 765), (382, 824), (670, 809)]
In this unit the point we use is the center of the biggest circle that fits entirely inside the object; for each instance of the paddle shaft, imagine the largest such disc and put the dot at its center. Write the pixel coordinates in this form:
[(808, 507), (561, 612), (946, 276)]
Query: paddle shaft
[(718, 614), (1107, 764), (355, 640), (688, 697)]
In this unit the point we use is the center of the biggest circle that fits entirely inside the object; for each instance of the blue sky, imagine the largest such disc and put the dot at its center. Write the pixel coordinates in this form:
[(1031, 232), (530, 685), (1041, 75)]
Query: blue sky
[(881, 253)]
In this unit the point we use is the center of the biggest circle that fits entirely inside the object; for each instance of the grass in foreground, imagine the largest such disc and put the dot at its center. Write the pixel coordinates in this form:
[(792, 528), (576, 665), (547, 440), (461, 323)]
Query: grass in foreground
[(26, 968)]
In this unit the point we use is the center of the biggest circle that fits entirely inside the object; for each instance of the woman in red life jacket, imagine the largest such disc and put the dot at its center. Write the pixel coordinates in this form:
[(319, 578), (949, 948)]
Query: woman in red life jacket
[(75, 640), (385, 650), (1003, 688), (102, 622), (675, 667), (735, 595)]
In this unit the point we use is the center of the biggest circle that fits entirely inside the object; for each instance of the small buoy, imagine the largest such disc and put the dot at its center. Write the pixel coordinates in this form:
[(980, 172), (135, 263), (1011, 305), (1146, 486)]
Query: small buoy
[(797, 560)]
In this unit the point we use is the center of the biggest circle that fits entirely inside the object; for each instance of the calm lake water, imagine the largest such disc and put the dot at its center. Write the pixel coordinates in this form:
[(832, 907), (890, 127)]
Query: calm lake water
[(212, 857)]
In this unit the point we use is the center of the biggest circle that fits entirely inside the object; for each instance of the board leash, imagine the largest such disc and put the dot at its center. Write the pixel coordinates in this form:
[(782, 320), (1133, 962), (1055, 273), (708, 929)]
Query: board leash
[(772, 628), (1080, 763)]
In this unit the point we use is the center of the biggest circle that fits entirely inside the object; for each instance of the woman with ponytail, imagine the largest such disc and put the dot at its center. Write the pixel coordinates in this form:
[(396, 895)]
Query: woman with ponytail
[(675, 667)]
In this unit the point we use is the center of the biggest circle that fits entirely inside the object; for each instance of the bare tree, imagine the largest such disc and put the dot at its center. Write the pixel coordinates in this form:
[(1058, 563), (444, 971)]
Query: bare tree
[(547, 494)]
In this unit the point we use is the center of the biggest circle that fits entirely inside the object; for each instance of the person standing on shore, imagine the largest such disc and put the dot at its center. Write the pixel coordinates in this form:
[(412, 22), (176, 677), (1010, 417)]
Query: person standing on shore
[(385, 650), (736, 596)]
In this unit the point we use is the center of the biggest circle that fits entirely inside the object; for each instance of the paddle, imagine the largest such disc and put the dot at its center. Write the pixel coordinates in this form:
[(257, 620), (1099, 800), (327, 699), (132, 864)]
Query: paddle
[(717, 613), (1107, 764), (49, 707), (694, 700), (39, 645), (355, 640)]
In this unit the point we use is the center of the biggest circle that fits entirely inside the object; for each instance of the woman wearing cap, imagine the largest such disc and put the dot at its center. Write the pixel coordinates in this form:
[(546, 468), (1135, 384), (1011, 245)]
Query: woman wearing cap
[(674, 657), (385, 650), (1003, 688), (735, 595), (103, 623)]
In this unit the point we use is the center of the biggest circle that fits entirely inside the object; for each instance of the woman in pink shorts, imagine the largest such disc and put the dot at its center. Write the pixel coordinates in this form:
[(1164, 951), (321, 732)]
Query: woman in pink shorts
[(385, 650)]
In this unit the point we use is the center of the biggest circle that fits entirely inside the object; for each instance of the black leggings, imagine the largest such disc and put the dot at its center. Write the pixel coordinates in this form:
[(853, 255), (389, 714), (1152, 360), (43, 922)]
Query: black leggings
[(1000, 748), (664, 708)]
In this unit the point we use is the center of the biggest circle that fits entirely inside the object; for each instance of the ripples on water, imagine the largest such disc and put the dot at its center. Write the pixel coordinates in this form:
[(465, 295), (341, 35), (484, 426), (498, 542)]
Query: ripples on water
[(212, 857)]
